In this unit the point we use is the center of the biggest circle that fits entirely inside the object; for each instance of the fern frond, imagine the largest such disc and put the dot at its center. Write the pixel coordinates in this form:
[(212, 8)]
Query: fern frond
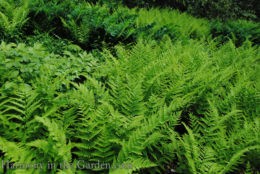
[(60, 147), (143, 138), (190, 145), (236, 159), (18, 111), (13, 17), (130, 166), (15, 152), (55, 131)]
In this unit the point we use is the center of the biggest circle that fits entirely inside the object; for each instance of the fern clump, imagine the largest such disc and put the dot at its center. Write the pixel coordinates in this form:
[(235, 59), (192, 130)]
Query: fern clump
[(13, 16), (159, 95)]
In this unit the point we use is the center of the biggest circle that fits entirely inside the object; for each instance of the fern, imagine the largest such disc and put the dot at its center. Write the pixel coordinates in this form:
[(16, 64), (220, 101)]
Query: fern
[(13, 17), (143, 138), (18, 112), (15, 152), (174, 100), (57, 148)]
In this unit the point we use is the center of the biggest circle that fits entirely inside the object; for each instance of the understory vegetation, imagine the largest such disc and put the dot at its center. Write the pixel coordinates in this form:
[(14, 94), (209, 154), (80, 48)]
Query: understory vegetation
[(98, 87)]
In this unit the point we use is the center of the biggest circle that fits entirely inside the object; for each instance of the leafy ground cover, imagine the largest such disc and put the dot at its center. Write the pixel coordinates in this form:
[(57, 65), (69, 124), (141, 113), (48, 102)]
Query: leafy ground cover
[(101, 88)]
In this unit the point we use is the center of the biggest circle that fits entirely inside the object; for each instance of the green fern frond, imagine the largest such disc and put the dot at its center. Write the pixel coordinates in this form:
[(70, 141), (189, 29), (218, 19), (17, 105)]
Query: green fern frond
[(236, 159), (55, 131), (133, 104), (15, 152), (40, 144), (143, 138), (13, 18), (20, 109), (59, 145), (190, 145), (130, 166)]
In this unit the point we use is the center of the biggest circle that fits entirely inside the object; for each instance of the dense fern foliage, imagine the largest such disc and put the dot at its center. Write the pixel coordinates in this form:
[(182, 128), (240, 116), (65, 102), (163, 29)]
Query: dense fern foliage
[(99, 88), (221, 9)]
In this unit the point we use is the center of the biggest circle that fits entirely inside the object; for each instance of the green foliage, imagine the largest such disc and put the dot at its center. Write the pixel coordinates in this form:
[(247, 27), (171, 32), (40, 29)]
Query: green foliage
[(238, 31), (45, 16), (99, 25), (52, 43), (13, 16), (159, 95), (96, 26), (161, 71), (90, 26), (221, 9), (131, 108), (224, 9), (157, 23)]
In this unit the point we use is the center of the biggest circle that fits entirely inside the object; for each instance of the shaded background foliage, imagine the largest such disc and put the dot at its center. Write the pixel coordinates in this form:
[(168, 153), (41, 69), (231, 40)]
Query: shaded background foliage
[(107, 23), (222, 9)]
